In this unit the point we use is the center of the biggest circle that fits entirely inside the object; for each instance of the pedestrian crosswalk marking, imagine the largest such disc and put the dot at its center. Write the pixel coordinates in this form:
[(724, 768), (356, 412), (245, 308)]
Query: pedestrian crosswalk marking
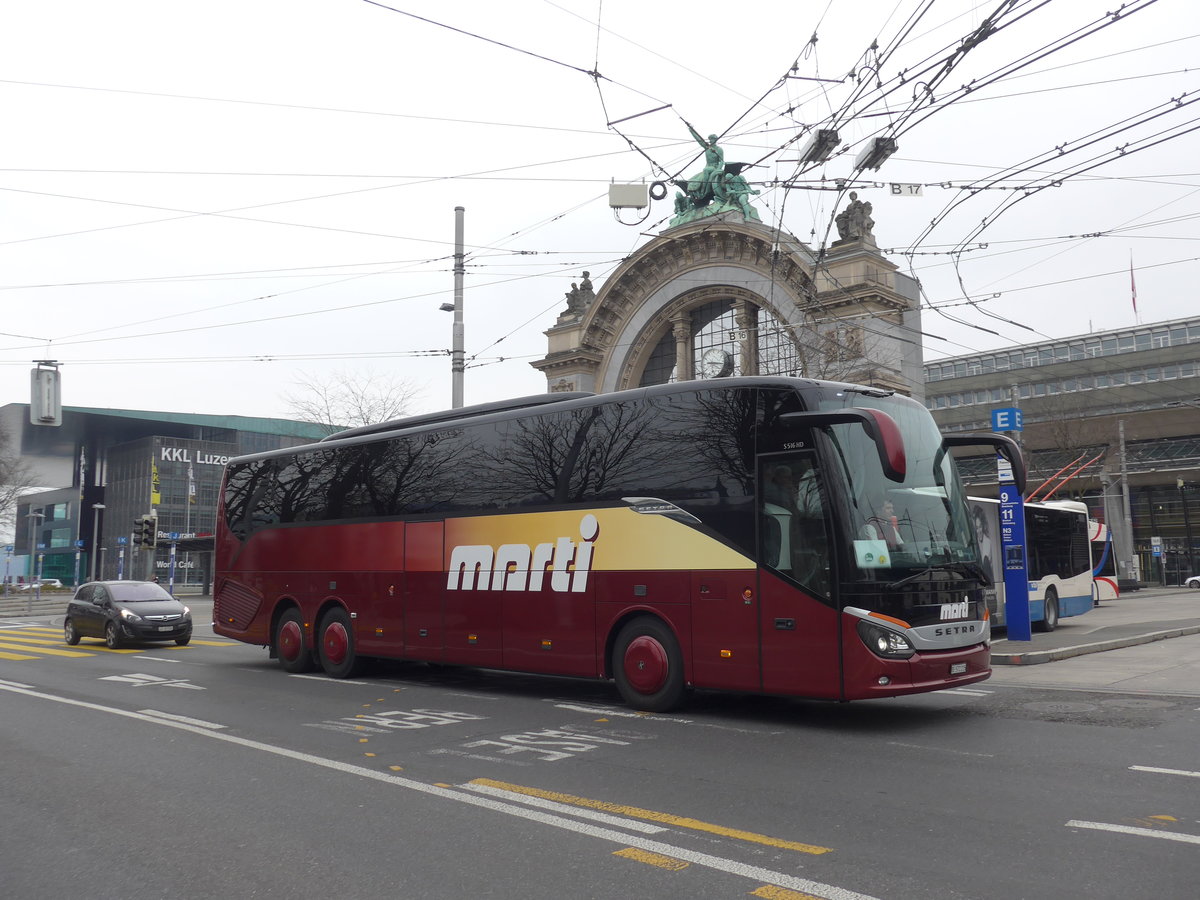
[(47, 650), (43, 642)]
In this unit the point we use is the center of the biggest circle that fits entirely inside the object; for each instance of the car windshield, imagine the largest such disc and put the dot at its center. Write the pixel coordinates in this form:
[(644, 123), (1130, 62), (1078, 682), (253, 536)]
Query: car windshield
[(132, 592)]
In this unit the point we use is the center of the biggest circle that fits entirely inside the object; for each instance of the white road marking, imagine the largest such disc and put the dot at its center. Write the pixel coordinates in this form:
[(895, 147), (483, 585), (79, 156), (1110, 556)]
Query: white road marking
[(968, 692), (1158, 771), (621, 838), (330, 680), (158, 659), (199, 723), (564, 809), (16, 684), (1140, 832), (140, 680), (620, 713), (940, 750)]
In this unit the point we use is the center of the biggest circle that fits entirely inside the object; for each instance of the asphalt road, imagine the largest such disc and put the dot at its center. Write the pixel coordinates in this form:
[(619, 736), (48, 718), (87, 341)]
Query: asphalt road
[(206, 771)]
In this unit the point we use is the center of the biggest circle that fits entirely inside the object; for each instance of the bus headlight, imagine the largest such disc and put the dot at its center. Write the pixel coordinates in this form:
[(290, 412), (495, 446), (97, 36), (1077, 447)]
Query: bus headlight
[(885, 642)]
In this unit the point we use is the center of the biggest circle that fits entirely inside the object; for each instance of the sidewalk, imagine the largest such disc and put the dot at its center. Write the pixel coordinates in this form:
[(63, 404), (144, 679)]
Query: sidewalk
[(1139, 617)]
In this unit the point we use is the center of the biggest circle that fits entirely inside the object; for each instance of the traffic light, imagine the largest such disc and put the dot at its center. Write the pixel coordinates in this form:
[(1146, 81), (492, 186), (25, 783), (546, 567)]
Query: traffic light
[(145, 532)]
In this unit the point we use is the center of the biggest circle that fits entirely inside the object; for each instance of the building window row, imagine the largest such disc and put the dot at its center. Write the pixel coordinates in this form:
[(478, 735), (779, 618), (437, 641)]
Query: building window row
[(991, 396), (1151, 338)]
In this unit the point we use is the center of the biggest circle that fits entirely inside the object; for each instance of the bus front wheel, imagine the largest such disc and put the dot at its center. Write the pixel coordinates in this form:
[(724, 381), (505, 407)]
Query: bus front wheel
[(648, 665), (1050, 616), (291, 648), (336, 645)]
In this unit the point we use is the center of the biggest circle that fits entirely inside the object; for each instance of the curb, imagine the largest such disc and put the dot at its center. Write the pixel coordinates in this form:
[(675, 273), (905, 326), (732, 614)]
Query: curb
[(1036, 657)]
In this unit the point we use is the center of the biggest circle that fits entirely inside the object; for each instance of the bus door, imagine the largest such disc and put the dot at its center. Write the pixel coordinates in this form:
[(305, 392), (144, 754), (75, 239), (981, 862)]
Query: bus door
[(424, 587), (799, 621)]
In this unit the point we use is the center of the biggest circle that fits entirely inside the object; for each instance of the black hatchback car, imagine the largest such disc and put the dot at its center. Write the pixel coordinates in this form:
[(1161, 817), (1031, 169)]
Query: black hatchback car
[(121, 611)]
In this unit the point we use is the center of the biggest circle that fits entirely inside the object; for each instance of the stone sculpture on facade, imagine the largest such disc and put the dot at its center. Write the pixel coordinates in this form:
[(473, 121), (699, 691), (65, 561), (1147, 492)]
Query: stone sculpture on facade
[(579, 298), (854, 223)]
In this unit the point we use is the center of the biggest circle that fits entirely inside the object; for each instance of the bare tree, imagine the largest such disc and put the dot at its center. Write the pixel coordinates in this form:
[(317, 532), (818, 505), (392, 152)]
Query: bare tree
[(349, 399), (16, 478)]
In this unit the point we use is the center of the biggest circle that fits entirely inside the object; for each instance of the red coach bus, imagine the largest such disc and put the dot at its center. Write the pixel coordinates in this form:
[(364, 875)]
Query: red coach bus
[(708, 534)]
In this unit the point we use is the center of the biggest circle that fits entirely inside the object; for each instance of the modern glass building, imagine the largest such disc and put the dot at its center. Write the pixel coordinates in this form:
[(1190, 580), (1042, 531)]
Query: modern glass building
[(1126, 402), (103, 468)]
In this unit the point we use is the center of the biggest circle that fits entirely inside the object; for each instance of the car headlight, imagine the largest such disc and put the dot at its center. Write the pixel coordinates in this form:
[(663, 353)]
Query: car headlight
[(885, 642), (187, 612), (130, 616)]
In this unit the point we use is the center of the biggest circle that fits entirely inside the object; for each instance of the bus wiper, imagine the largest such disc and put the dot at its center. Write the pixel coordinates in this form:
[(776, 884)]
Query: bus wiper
[(968, 567)]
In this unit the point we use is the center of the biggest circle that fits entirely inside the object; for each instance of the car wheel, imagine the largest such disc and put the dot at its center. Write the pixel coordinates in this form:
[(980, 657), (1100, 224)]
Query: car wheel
[(1194, 585), (183, 641), (70, 635), (336, 645), (1050, 619), (293, 651), (648, 665), (112, 636)]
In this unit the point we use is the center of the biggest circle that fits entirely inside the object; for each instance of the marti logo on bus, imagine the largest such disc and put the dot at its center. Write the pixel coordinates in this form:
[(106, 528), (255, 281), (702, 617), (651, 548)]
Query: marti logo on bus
[(955, 611), (519, 567)]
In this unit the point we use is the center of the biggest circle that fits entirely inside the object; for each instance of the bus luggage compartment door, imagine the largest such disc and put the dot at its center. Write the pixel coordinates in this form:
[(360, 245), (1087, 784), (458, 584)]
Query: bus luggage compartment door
[(424, 588), (725, 630)]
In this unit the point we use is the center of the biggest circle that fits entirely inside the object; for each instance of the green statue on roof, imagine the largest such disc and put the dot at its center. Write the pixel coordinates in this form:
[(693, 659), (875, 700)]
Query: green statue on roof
[(717, 188)]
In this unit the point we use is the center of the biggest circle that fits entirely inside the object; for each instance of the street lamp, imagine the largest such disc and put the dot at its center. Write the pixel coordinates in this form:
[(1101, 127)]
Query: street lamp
[(96, 507)]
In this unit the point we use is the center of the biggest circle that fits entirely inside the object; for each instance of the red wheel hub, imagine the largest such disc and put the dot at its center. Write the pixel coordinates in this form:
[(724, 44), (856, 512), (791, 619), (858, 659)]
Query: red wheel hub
[(646, 664), (291, 641), (335, 643)]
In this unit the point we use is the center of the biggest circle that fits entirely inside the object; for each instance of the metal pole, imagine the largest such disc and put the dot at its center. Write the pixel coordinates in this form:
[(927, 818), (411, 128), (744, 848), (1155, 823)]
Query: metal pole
[(1127, 557), (1187, 527), (96, 507), (457, 363)]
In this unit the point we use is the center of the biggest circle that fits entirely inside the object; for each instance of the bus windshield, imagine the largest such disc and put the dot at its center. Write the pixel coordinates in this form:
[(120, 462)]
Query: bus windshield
[(899, 527)]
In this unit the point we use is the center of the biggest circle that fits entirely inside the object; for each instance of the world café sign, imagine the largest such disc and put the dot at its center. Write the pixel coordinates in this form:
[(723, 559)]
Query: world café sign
[(1012, 534)]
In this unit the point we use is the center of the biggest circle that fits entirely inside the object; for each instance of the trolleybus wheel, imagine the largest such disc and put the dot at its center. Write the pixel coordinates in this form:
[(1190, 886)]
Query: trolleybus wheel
[(648, 665), (1050, 617), (290, 647), (336, 645)]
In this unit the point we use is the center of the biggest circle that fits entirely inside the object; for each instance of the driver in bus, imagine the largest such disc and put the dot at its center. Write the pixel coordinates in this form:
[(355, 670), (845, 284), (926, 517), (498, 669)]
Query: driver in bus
[(883, 526), (781, 488)]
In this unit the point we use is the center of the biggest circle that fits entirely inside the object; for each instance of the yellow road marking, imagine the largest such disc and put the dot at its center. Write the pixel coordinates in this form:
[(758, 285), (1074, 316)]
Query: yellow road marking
[(21, 635), (654, 816), (653, 859), (26, 639), (47, 650), (15, 656), (774, 892)]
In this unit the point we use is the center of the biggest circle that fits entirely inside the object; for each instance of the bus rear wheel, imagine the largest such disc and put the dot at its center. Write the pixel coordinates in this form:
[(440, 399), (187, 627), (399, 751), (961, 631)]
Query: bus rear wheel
[(648, 665), (1050, 616), (291, 648), (336, 645)]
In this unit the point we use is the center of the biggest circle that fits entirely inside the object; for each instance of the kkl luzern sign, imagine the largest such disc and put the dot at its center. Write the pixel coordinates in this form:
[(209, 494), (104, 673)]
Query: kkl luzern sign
[(184, 455)]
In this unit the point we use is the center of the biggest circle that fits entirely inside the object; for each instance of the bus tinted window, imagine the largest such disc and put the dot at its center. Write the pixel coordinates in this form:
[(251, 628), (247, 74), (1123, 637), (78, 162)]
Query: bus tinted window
[(251, 497)]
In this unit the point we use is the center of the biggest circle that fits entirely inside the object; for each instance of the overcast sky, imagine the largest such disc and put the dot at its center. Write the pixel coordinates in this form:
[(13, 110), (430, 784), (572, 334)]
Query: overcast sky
[(202, 203)]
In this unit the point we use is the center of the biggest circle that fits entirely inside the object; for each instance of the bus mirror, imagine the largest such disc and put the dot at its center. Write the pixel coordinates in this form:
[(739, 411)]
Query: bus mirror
[(1005, 446), (879, 426)]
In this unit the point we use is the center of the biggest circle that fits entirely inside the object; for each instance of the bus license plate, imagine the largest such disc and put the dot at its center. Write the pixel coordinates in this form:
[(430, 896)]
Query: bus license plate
[(958, 668), (172, 628)]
